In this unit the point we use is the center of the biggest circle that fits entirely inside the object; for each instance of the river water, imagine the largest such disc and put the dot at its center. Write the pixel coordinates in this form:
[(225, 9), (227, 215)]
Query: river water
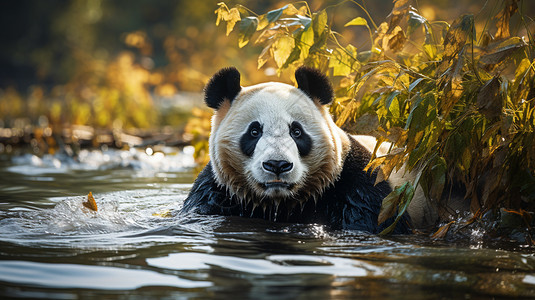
[(137, 245)]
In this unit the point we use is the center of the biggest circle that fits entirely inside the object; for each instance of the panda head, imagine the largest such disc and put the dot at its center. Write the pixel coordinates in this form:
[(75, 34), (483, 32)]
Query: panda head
[(273, 142)]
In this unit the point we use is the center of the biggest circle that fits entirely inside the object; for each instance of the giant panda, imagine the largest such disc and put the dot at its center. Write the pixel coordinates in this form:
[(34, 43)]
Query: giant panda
[(276, 153)]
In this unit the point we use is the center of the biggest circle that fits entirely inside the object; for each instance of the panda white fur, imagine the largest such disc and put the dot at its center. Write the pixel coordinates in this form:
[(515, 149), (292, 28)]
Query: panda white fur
[(275, 153)]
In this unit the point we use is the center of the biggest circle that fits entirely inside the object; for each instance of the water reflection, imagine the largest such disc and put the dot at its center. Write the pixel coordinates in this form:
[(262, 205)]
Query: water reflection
[(138, 244)]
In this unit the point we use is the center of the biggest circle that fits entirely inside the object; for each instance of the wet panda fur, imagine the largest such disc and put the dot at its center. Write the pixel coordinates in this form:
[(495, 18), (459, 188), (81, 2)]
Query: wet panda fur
[(276, 154)]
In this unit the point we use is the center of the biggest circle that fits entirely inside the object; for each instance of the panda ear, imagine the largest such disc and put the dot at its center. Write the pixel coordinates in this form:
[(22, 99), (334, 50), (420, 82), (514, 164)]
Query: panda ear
[(315, 84), (225, 84)]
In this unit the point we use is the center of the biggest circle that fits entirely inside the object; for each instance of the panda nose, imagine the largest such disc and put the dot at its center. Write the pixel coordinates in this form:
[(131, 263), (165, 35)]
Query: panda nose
[(277, 166)]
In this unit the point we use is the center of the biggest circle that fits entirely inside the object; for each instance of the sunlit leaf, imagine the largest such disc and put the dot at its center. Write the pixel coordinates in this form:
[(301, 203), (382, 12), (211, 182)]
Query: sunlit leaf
[(342, 60), (359, 21), (282, 48), (264, 56), (291, 10), (307, 40), (232, 17), (458, 34), (221, 12), (396, 40), (319, 23)]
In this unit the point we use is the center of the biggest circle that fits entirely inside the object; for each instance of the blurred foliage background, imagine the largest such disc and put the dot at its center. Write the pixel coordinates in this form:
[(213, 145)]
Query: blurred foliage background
[(121, 64)]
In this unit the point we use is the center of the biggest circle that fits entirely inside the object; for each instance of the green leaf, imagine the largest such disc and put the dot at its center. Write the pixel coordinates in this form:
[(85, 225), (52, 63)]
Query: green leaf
[(415, 83), (247, 29), (274, 15), (404, 193), (305, 21), (390, 98), (359, 21)]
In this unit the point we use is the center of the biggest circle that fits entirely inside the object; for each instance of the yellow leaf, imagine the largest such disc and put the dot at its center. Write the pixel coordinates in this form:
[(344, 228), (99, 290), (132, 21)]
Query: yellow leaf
[(291, 10), (264, 56), (164, 214), (307, 40), (282, 48), (91, 203), (357, 22), (232, 18)]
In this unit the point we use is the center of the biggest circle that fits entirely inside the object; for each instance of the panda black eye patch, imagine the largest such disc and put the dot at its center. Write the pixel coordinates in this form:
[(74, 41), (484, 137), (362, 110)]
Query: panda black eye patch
[(301, 138), (249, 139)]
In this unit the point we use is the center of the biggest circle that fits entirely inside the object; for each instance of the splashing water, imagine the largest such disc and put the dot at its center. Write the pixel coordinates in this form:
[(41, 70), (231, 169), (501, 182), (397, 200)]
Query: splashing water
[(137, 243)]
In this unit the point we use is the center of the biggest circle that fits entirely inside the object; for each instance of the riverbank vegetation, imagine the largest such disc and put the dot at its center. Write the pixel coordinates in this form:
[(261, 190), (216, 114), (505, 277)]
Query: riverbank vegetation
[(456, 98)]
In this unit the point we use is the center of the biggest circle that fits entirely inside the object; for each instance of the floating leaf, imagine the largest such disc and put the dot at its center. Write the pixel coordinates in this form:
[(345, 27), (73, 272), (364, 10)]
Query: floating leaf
[(163, 214), (359, 21), (90, 203)]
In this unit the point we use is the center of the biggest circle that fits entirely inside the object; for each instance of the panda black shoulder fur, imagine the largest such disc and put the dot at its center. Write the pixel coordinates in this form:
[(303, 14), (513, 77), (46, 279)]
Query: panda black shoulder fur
[(275, 153)]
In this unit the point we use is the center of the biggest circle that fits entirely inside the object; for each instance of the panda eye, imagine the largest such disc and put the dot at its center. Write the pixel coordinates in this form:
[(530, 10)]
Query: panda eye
[(296, 132), (254, 132)]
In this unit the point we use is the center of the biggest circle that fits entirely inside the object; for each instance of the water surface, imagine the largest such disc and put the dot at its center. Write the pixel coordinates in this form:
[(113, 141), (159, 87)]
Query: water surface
[(137, 244)]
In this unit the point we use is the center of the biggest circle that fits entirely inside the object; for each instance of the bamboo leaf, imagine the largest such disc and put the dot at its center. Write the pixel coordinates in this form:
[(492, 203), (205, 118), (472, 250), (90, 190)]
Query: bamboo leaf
[(264, 56), (319, 22), (442, 231), (489, 101), (499, 51), (359, 21), (415, 21), (232, 18), (247, 29), (415, 83), (274, 15), (282, 48), (503, 18), (390, 203)]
